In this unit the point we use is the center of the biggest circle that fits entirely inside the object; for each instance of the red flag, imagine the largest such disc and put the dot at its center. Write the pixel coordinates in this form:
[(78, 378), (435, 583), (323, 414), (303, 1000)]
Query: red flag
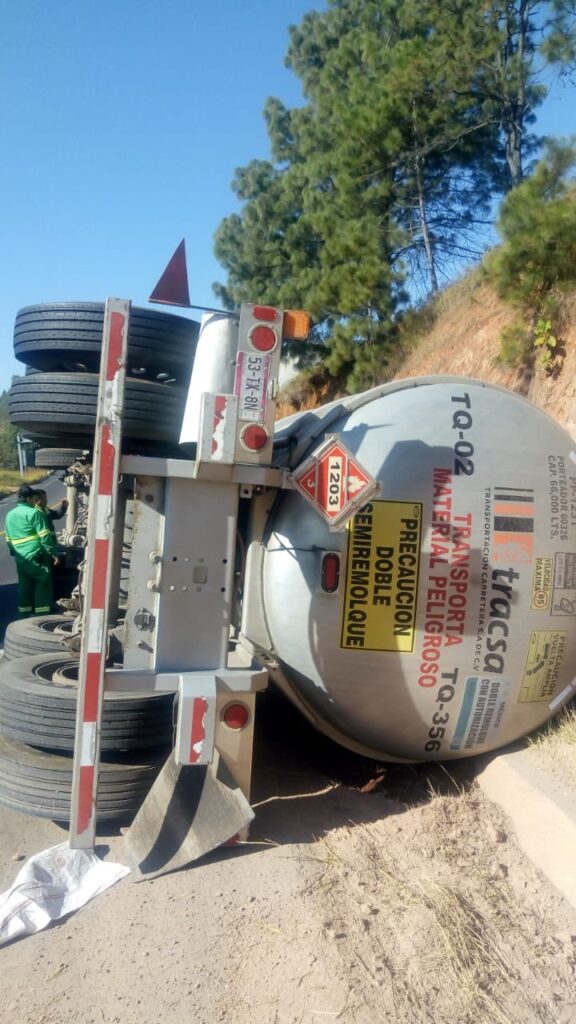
[(172, 288)]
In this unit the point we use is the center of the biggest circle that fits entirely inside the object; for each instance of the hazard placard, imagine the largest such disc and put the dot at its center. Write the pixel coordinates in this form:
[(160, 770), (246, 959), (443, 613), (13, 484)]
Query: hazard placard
[(334, 482)]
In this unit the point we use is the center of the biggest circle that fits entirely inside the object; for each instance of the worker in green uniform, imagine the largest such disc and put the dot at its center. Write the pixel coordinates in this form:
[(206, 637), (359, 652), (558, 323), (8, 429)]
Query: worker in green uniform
[(41, 501), (33, 545)]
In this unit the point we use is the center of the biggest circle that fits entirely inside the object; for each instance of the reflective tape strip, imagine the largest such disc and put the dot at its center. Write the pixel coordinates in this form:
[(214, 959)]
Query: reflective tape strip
[(562, 696), (95, 635), (107, 459), (26, 608), (99, 576), (198, 731), (42, 610), (45, 533), (103, 516), (88, 744), (85, 797), (116, 345), (23, 540), (92, 687)]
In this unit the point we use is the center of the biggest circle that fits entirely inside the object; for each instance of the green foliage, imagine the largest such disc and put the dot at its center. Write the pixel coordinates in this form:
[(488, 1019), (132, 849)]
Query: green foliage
[(416, 115), (4, 418), (10, 479), (515, 344), (537, 224), (546, 342), (8, 447), (537, 259)]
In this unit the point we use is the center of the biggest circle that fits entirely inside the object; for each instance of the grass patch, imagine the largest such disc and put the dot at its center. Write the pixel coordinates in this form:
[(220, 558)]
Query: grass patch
[(459, 291), (414, 326), (554, 746), (10, 479), (559, 730)]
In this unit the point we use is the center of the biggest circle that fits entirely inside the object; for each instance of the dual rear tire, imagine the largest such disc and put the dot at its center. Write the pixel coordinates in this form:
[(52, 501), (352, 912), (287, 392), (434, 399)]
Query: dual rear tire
[(54, 403), (38, 697)]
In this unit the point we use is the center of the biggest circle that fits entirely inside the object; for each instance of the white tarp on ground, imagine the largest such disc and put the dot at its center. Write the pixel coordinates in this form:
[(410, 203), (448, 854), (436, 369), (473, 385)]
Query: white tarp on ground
[(50, 885)]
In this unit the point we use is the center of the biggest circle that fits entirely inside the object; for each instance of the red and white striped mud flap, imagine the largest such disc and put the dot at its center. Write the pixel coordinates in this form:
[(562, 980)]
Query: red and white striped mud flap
[(101, 530), (189, 811)]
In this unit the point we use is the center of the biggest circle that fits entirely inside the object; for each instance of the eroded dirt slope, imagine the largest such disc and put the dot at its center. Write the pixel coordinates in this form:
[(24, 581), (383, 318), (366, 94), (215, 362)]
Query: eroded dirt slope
[(465, 341)]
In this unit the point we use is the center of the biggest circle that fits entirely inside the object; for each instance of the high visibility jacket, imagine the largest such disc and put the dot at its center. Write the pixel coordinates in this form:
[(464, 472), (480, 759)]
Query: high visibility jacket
[(27, 532)]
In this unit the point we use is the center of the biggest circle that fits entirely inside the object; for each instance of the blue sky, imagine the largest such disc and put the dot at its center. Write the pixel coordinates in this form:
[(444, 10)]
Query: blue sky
[(121, 125)]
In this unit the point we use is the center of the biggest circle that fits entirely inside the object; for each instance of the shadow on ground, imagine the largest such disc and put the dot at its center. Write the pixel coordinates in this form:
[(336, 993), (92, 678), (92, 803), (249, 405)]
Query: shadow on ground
[(305, 785)]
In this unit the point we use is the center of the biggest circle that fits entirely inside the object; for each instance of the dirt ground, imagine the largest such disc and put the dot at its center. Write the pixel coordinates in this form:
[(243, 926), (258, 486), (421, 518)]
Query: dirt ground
[(367, 894)]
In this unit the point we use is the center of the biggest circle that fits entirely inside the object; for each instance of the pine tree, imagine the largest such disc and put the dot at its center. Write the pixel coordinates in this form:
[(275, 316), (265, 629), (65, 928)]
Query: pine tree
[(8, 447), (416, 116)]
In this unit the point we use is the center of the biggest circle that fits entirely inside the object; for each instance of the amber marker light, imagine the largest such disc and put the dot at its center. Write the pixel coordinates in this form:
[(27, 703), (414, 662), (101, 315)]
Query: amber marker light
[(296, 324)]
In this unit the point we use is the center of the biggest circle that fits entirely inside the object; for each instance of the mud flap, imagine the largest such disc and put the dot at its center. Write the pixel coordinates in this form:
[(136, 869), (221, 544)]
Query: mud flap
[(189, 811)]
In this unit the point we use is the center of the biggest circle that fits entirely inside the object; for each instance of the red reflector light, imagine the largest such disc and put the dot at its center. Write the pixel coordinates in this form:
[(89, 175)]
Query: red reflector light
[(263, 338), (330, 577), (264, 313), (254, 437), (235, 716)]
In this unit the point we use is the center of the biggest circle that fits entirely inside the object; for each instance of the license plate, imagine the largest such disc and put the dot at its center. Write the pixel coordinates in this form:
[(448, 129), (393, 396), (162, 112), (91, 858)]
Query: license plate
[(251, 385)]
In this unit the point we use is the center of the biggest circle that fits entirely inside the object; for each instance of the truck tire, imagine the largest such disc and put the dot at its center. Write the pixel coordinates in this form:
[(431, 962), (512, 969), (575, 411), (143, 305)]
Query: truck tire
[(38, 696), (59, 458), (40, 783), (66, 403), (56, 458), (67, 336), (40, 634)]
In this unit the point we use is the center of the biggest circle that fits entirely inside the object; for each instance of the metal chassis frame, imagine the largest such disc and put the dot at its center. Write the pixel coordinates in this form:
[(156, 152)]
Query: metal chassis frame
[(177, 626), (183, 567)]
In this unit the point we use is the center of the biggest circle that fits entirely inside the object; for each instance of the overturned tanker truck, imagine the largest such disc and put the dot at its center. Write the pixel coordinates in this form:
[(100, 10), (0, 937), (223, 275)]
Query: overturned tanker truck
[(400, 563)]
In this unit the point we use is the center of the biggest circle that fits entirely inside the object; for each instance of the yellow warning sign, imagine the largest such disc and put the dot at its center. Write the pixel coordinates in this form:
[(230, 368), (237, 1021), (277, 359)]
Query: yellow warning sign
[(379, 611), (541, 584), (545, 655)]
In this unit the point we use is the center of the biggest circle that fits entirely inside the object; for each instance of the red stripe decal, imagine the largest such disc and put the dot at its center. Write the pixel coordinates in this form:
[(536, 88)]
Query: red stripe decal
[(85, 797), (220, 403), (115, 344), (198, 733), (99, 576), (107, 456), (92, 687)]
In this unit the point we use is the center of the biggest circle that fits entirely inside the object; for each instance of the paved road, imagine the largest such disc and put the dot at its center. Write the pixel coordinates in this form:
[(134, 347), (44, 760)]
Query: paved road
[(55, 490)]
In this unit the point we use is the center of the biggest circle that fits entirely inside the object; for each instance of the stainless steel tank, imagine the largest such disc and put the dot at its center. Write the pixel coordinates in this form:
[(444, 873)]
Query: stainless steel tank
[(452, 629)]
